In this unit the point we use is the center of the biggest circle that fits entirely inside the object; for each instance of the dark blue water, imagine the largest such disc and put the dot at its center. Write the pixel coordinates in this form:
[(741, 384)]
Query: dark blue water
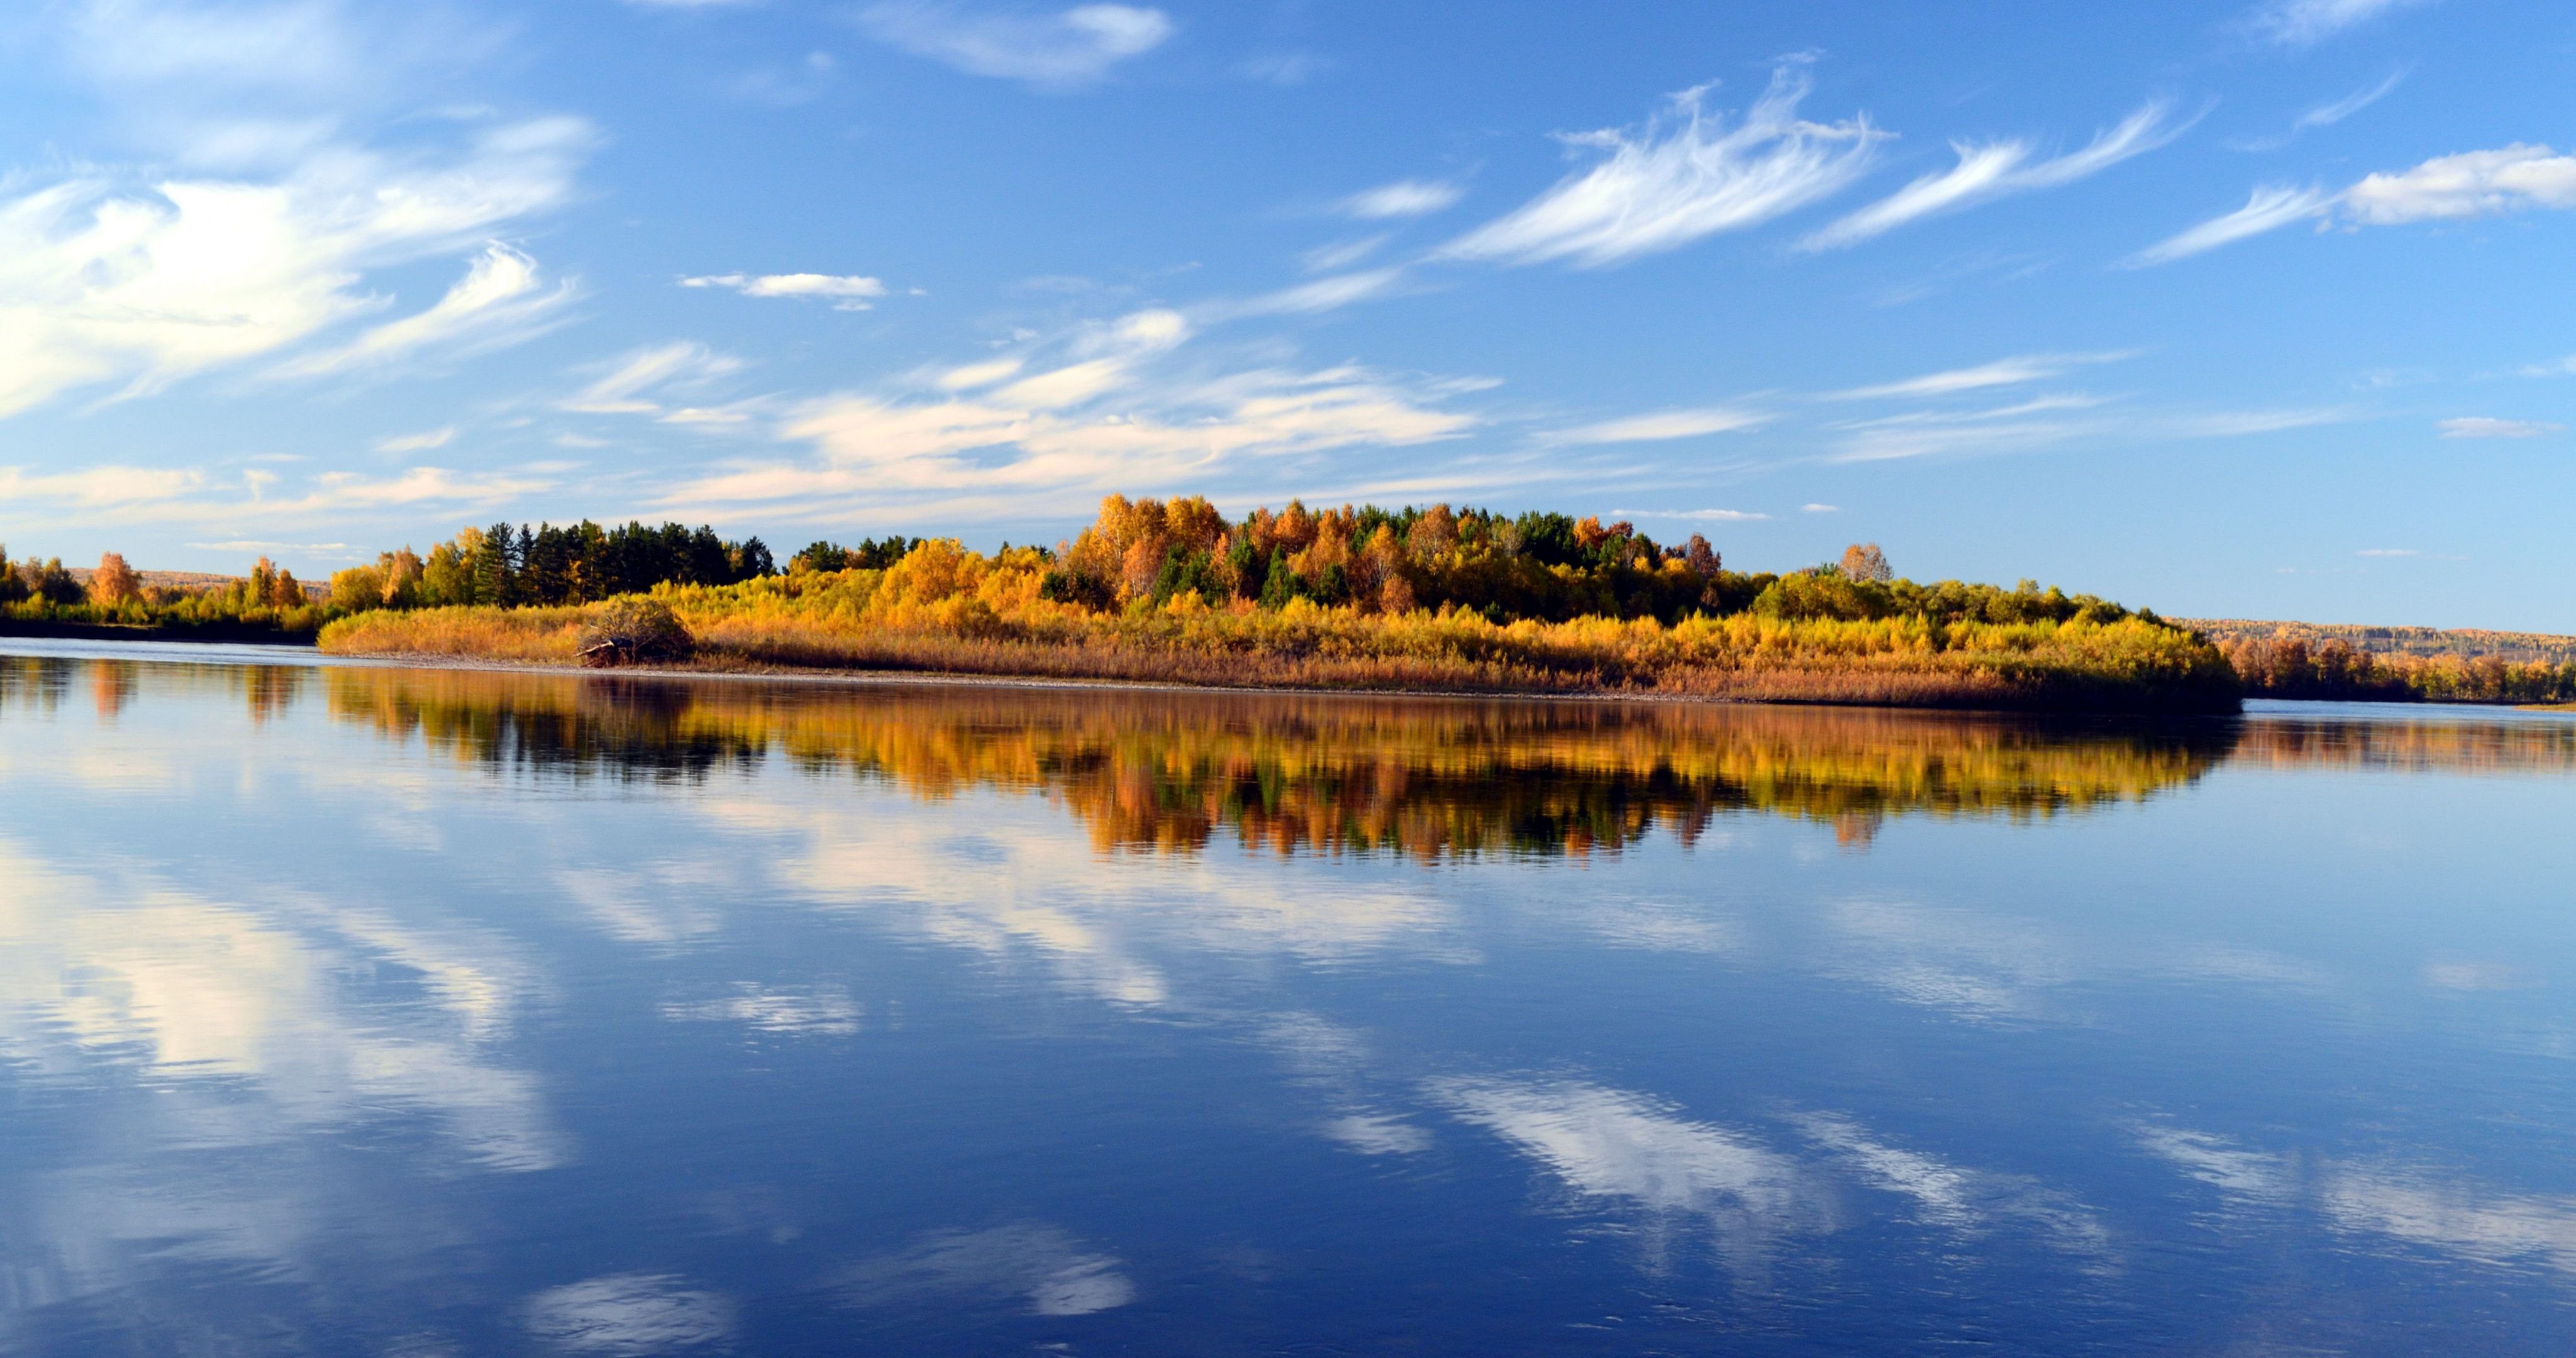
[(397, 1012)]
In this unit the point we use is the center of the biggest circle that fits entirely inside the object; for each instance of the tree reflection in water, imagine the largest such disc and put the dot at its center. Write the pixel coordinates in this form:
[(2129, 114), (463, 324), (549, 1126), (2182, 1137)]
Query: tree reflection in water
[(1164, 772)]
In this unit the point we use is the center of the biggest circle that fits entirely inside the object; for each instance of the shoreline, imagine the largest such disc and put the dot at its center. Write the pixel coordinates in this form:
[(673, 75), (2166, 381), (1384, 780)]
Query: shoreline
[(895, 678), (211, 634)]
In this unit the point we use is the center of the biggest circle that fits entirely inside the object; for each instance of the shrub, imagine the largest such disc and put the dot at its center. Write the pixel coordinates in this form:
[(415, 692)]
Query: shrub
[(631, 631)]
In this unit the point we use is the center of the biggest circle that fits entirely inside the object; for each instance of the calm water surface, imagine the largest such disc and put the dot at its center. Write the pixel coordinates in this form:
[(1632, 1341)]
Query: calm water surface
[(404, 1012)]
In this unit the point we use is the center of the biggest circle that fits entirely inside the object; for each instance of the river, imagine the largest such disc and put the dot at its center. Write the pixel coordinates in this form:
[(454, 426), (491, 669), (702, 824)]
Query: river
[(393, 1011)]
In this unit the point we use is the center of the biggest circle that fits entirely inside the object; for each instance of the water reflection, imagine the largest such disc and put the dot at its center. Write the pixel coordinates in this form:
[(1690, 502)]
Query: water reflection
[(404, 1012), (1165, 772)]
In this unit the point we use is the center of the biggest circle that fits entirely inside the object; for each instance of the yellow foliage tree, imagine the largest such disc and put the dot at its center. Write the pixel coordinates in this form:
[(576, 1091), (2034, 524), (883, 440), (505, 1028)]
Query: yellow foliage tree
[(115, 583)]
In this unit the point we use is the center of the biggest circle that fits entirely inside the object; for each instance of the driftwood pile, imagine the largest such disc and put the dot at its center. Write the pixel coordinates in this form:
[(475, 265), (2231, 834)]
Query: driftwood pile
[(633, 632)]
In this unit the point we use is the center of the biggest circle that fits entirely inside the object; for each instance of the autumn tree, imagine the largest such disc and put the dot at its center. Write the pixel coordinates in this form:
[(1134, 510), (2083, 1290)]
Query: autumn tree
[(1862, 561), (114, 583), (1701, 558), (402, 578)]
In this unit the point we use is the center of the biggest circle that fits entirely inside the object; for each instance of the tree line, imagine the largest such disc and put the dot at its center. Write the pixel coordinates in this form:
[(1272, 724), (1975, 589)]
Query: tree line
[(1541, 565), (2335, 672), (509, 566)]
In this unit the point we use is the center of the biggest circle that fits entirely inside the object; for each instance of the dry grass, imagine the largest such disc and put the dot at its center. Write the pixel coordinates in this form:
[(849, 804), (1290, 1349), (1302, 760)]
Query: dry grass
[(534, 636)]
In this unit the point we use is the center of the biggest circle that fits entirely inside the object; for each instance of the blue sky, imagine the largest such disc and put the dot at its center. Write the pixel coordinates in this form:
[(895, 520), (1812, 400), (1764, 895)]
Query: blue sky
[(2255, 309)]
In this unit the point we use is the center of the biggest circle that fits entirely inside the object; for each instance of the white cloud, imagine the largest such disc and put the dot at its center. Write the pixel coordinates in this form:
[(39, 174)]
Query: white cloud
[(1998, 169), (2300, 23), (343, 492), (1324, 294), (2270, 207), (2002, 372), (1339, 254), (1708, 515), (414, 443), (2445, 188), (1820, 509), (1673, 185), (109, 282), (876, 446), (2326, 115), (1665, 424), (1074, 48), (682, 365), (2236, 423), (2323, 115), (112, 496), (973, 375), (99, 487), (1403, 198), (499, 302), (2470, 184), (847, 291), (237, 83), (2483, 427)]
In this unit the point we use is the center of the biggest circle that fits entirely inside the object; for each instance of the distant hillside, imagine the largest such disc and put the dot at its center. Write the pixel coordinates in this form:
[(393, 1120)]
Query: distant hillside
[(193, 580), (2423, 642)]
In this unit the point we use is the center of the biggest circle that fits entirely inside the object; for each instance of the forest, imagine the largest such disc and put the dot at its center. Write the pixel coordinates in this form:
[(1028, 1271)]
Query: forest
[(1423, 596)]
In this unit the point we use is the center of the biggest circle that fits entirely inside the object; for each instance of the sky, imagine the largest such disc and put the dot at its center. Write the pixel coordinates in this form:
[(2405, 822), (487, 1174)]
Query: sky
[(2252, 309)]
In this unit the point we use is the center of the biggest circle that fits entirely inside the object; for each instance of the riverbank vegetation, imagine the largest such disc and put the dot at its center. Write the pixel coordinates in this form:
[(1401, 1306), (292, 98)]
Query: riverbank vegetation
[(2397, 664), (1417, 599)]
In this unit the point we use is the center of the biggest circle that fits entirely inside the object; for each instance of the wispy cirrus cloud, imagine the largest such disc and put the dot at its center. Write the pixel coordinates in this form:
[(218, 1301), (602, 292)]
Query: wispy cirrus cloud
[(2483, 427), (620, 390), (1696, 515), (107, 281), (1404, 198), (2471, 184), (2324, 115), (501, 301), (1990, 170), (1661, 425), (2304, 23), (847, 292), (2003, 372), (1067, 50), (2239, 423), (1107, 413), (1324, 294), (114, 495), (2270, 207), (1687, 176), (417, 443)]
